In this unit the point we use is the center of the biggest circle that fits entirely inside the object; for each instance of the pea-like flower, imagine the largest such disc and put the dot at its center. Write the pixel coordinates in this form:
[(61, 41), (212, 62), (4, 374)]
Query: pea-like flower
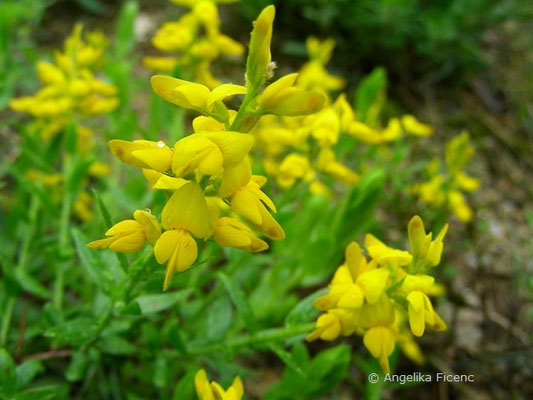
[(448, 182), (130, 235), (213, 391), (376, 298), (185, 215), (194, 42), (230, 232)]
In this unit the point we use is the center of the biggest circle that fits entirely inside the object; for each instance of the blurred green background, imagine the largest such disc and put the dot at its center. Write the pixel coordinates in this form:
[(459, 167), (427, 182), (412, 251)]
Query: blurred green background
[(464, 64)]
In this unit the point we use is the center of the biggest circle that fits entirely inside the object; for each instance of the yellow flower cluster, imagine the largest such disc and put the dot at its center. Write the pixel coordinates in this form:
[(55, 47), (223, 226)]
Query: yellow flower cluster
[(213, 193), (213, 391), (375, 297), (445, 186), (71, 90), (302, 149), (70, 93), (197, 39)]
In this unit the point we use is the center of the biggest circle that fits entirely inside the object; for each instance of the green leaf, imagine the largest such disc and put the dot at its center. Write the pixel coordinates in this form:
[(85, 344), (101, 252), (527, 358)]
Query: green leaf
[(74, 332), (240, 301), (368, 92), (323, 373), (219, 319), (27, 371), (160, 377), (132, 308), (94, 6), (175, 337), (108, 223), (48, 392), (31, 285), (304, 311), (90, 260), (356, 211), (71, 138), (8, 381), (76, 174), (330, 367), (184, 390), (116, 345), (77, 366), (154, 303), (125, 34), (287, 358)]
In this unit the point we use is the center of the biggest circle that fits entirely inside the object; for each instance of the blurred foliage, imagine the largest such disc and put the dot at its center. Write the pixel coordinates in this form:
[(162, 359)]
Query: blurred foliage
[(76, 323), (409, 37)]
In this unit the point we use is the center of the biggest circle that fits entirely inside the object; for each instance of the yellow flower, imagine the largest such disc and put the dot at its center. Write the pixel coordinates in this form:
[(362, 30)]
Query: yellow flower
[(328, 327), (318, 188), (82, 207), (235, 178), (177, 247), (142, 153), (459, 206), (174, 36), (129, 236), (425, 251), (467, 183), (98, 169), (459, 151), (230, 232), (379, 339), (294, 167), (70, 89), (249, 202), (213, 391), (49, 74), (185, 214), (283, 98), (160, 64), (413, 126), (393, 130), (376, 298), (354, 281), (345, 112), (325, 127), (445, 185), (421, 311), (196, 41), (314, 74), (259, 57), (327, 163), (209, 153), (364, 133), (193, 96), (384, 255)]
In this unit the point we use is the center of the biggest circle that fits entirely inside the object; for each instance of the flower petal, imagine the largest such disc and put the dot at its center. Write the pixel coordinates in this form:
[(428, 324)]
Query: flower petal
[(187, 209)]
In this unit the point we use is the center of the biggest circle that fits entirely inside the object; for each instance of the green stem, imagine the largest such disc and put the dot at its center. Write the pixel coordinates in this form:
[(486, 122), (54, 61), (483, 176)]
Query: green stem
[(26, 241), (23, 260), (268, 335), (59, 283), (64, 223), (6, 321), (250, 96), (64, 241)]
